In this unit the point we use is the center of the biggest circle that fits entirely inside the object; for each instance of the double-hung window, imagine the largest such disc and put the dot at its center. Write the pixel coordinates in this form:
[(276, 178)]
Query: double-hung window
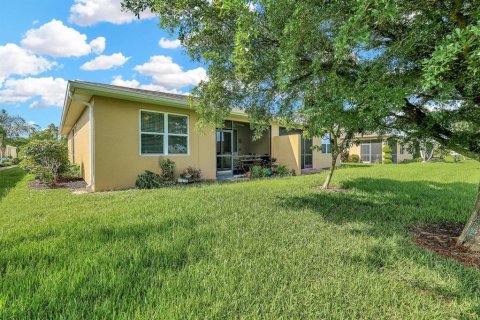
[(163, 133)]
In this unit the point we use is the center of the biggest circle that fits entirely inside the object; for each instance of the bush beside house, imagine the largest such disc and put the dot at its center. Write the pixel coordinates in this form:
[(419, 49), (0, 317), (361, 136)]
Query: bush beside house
[(47, 160), (387, 154), (149, 180), (190, 174)]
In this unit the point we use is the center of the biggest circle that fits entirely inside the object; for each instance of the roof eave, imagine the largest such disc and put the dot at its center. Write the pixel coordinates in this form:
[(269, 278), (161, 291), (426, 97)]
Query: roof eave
[(99, 90)]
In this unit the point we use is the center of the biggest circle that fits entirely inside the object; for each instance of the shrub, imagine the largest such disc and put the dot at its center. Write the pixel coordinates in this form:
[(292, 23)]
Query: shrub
[(5, 164), (345, 156), (168, 169), (196, 173), (259, 172), (265, 172), (281, 171), (355, 158), (47, 159), (73, 171), (149, 180), (387, 154), (255, 171), (191, 174), (412, 160)]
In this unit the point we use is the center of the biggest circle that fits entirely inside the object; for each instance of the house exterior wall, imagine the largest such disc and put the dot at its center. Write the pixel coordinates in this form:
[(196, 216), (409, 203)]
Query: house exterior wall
[(117, 160), (355, 149), (10, 152), (405, 156), (79, 148), (117, 156), (70, 146), (287, 150), (321, 160)]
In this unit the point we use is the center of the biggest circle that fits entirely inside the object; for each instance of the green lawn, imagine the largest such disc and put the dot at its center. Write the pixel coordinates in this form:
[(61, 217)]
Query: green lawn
[(272, 248)]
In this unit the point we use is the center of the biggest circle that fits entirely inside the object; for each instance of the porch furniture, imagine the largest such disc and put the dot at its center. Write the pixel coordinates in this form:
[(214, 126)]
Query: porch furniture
[(247, 164)]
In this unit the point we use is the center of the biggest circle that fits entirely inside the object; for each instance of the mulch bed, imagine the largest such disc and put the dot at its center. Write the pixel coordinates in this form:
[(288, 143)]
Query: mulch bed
[(71, 184), (442, 239)]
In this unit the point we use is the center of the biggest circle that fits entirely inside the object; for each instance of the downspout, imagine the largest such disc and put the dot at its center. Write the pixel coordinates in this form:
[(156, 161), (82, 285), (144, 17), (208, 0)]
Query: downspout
[(92, 149)]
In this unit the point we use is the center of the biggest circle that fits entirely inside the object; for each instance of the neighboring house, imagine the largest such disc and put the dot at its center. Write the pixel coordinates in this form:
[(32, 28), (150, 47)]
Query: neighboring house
[(116, 133), (370, 149), (9, 152)]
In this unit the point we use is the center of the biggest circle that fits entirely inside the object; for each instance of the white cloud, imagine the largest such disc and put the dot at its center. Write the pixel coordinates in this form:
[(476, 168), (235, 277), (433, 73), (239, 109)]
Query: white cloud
[(90, 12), (98, 45), (16, 60), (56, 39), (169, 44), (104, 62), (167, 74), (46, 91), (119, 81)]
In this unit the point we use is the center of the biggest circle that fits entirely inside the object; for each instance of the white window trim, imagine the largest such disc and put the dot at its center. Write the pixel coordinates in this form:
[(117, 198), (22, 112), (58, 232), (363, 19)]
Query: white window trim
[(325, 140), (165, 134), (328, 147)]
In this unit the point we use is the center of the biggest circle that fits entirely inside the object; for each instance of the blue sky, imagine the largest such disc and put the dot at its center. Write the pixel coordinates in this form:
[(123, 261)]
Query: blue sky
[(45, 43)]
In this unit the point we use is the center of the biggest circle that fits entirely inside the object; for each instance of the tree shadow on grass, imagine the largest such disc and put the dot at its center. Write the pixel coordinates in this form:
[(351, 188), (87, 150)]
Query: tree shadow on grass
[(380, 210), (9, 179), (390, 202)]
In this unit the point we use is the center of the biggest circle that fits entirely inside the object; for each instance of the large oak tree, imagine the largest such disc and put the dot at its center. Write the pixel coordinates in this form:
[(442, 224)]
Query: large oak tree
[(412, 66)]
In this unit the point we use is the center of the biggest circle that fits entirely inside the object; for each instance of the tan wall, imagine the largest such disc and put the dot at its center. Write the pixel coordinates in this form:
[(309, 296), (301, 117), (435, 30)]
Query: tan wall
[(287, 151), (405, 156), (80, 154), (10, 152), (70, 145), (117, 157), (279, 151), (355, 149), (321, 160)]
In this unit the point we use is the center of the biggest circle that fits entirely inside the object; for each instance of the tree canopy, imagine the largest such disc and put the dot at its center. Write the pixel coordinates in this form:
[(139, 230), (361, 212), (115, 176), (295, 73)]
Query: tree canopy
[(413, 63), (409, 66), (11, 127)]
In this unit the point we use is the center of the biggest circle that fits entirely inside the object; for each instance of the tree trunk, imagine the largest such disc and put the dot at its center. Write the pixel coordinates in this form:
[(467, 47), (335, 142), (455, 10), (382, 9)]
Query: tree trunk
[(471, 233), (326, 184), (426, 156)]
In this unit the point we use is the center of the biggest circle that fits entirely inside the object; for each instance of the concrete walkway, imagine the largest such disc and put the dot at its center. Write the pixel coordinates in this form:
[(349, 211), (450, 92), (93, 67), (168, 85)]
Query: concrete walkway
[(5, 168)]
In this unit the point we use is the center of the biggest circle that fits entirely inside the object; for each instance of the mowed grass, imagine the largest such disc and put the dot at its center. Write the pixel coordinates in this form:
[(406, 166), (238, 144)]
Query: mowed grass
[(273, 248)]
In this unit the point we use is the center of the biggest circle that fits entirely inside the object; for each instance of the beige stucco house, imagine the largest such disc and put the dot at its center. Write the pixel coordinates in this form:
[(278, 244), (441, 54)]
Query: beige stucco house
[(116, 133), (370, 149), (9, 152)]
